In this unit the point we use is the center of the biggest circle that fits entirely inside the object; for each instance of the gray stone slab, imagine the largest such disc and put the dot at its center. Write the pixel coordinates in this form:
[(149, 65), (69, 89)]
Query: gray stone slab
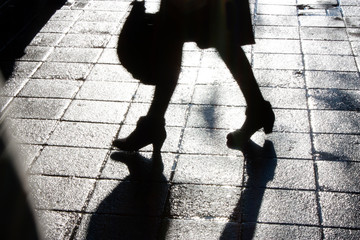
[(326, 47), (278, 2), (212, 59), (324, 79), (280, 173), (323, 33), (142, 197), (280, 78), (269, 9), (277, 46), (224, 94), (46, 39), (338, 233), (182, 229), (82, 27), (321, 21), (340, 209), (289, 98), (57, 224), (84, 40), (37, 108), (330, 63), (109, 56), (338, 176), (66, 15), (203, 201), (276, 32), (110, 72), (50, 88), (59, 193), (356, 48), (57, 70), (334, 99), (276, 20), (279, 206), (328, 121), (83, 134), (214, 74), (188, 75), (118, 165), (56, 27), (13, 86), (78, 55), (207, 116), (108, 226), (278, 61), (275, 231), (25, 154), (96, 111), (101, 16), (353, 33), (352, 22), (191, 58), (110, 91), (30, 130), (80, 162), (291, 120), (21, 69), (337, 147), (217, 170), (107, 5), (35, 53)]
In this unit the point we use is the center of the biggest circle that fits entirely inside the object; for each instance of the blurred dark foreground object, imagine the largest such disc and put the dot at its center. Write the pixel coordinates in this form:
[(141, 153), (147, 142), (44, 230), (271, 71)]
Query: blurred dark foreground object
[(18, 221)]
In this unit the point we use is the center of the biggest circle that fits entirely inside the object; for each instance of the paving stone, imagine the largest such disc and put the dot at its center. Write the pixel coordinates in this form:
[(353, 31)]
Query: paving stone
[(20, 69), (224, 94), (109, 56), (142, 197), (84, 40), (272, 20), (273, 32), (57, 70), (188, 75), (337, 233), (30, 130), (13, 86), (279, 2), (66, 15), (337, 147), (268, 9), (108, 72), (110, 91), (81, 55), (217, 170), (279, 173), (323, 33), (82, 27), (321, 21), (278, 61), (340, 209), (279, 78), (57, 224), (353, 33), (279, 206), (212, 59), (35, 53), (25, 154), (80, 162), (291, 121), (175, 115), (338, 176), (352, 22), (215, 117), (108, 226), (334, 99), (203, 201), (326, 47), (56, 27), (356, 48), (101, 16), (83, 134), (123, 165), (59, 193), (277, 46), (291, 98), (107, 5), (4, 102), (330, 63), (328, 121), (191, 58), (274, 231), (37, 108), (181, 229), (214, 76), (323, 79), (96, 111), (46, 88)]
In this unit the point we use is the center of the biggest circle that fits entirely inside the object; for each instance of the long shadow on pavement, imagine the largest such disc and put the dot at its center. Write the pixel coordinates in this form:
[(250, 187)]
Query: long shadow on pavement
[(133, 208), (260, 169)]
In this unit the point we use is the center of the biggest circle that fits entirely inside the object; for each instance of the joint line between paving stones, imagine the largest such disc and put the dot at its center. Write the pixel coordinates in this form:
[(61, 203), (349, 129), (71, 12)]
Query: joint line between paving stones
[(316, 174)]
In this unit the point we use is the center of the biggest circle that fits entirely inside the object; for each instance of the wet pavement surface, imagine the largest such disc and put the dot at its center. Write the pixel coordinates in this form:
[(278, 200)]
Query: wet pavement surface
[(68, 97)]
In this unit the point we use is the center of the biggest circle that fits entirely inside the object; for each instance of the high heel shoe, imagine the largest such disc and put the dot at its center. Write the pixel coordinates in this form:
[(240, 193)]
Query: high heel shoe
[(256, 118), (148, 131)]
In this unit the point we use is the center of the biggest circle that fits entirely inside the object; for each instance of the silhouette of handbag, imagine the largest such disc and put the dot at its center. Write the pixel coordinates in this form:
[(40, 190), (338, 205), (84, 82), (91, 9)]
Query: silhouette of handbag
[(136, 41)]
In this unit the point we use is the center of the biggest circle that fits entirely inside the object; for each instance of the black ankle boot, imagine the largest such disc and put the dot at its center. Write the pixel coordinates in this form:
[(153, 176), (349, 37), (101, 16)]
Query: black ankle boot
[(256, 118), (148, 131)]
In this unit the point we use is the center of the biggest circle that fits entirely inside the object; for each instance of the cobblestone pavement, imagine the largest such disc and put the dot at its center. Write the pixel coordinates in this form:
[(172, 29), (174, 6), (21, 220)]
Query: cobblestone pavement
[(68, 98)]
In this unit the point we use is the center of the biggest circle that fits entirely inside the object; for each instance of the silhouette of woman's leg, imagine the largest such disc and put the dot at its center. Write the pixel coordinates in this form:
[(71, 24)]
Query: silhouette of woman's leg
[(258, 113)]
